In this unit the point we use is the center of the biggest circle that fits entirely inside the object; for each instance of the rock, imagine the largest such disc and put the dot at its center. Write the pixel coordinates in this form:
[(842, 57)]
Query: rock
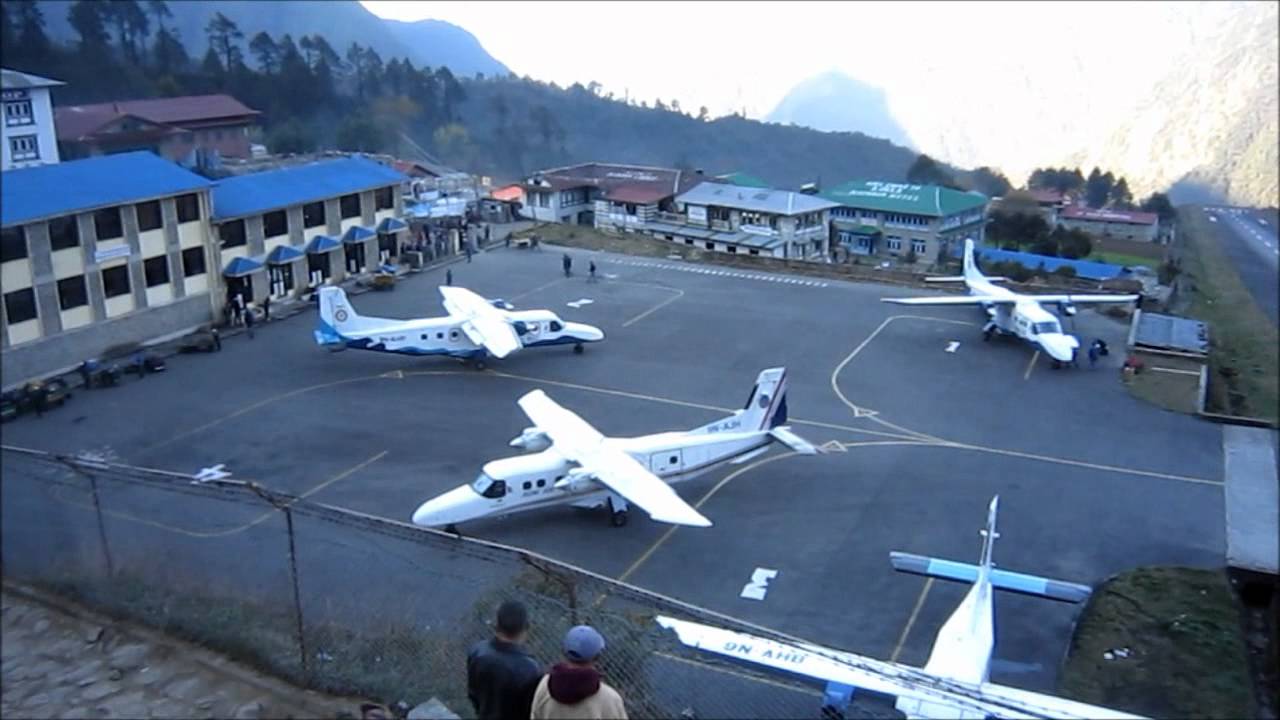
[(41, 626), (432, 709), (115, 674), (250, 711), (93, 634), (129, 657), (98, 690)]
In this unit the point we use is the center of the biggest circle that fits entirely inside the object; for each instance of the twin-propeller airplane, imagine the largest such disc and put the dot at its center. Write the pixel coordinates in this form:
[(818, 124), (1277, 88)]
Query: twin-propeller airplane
[(1016, 314), (573, 463), (473, 330)]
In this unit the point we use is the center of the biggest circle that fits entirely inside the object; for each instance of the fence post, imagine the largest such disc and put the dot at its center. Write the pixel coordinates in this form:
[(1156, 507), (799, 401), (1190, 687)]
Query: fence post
[(297, 598)]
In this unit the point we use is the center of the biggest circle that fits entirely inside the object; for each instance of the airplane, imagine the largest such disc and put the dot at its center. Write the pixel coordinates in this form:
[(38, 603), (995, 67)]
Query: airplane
[(954, 682), (473, 330), (1016, 314), (571, 462)]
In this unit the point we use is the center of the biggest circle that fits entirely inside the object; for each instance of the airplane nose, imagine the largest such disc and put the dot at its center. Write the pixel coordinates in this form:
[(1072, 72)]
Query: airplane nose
[(425, 515), (589, 333), (455, 506)]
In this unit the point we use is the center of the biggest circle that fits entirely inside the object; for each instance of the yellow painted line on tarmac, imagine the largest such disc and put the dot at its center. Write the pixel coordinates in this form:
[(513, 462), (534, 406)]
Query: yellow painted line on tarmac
[(655, 308), (1176, 371), (1031, 365), (911, 621)]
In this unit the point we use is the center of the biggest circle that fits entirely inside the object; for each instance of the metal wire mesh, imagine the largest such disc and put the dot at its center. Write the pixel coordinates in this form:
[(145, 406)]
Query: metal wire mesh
[(342, 602)]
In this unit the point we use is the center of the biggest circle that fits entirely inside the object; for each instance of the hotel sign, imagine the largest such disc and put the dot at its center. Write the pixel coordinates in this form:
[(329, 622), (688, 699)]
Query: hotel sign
[(698, 214), (14, 94)]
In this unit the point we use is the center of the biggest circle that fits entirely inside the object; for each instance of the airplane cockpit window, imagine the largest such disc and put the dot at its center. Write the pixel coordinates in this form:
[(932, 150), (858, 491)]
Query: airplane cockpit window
[(488, 487), (1047, 326), (556, 326)]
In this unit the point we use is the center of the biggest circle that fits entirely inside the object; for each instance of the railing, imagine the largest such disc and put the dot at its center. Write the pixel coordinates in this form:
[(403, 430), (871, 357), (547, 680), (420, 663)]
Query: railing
[(759, 230), (669, 217), (721, 225)]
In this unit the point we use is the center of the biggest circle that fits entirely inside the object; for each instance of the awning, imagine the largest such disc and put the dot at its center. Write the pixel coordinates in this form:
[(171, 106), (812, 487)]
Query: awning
[(241, 266), (283, 255), (358, 234), (322, 244), (392, 225)]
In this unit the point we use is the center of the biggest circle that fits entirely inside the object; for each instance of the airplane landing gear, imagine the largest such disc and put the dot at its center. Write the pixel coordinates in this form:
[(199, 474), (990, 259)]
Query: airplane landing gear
[(988, 331), (1057, 364), (478, 363), (452, 529), (577, 349), (617, 511)]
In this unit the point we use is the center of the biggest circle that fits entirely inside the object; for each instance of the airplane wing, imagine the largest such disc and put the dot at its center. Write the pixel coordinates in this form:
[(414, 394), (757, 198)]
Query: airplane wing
[(484, 324), (952, 300), (1083, 299), (583, 444), (952, 698)]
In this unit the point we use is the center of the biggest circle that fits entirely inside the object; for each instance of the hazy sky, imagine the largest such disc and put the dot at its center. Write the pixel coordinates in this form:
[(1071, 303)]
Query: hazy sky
[(739, 55)]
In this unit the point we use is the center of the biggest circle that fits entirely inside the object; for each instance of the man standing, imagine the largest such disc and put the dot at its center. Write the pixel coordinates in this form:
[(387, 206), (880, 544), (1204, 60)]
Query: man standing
[(266, 308), (591, 271), (448, 276), (573, 689), (501, 676), (567, 263), (248, 322)]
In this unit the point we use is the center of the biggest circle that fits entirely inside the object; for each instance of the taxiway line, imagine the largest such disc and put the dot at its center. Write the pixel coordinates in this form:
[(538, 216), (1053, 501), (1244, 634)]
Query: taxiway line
[(1031, 365), (911, 621)]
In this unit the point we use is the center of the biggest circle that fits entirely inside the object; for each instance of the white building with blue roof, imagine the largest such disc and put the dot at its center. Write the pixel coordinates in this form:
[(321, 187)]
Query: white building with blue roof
[(281, 232), (100, 252)]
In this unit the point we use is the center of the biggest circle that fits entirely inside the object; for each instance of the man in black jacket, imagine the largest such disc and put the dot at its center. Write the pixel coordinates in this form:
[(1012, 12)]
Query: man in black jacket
[(501, 676)]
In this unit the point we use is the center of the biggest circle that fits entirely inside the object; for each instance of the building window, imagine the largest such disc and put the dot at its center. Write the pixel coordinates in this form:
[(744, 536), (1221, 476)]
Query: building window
[(18, 113), (718, 213), (759, 219), (543, 199), (107, 222), (349, 206), (893, 243), (192, 261), (576, 196), (188, 208), (156, 270), (115, 281), (13, 245), (313, 214), (710, 246), (24, 147), (20, 305), (384, 199), (72, 293), (733, 249), (275, 224), (917, 247), (64, 233), (754, 252), (149, 215), (232, 234)]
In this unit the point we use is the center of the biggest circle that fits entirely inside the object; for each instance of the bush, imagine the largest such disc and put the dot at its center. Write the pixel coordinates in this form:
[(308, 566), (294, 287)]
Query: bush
[(1064, 271)]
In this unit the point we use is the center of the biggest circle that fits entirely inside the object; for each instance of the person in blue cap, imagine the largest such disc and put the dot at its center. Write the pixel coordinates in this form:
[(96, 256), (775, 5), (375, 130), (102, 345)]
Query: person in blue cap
[(574, 689)]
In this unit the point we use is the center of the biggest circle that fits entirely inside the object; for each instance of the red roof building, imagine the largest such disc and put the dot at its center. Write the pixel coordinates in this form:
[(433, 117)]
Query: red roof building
[(1128, 224), (170, 127), (593, 193)]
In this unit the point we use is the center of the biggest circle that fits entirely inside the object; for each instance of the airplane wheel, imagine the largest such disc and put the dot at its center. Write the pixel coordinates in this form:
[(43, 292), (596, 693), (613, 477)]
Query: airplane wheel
[(477, 364), (577, 349), (619, 518), (1057, 364), (451, 528), (986, 335)]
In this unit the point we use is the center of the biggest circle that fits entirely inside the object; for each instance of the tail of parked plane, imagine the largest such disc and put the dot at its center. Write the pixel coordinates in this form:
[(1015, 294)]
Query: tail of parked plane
[(971, 271), (338, 318), (766, 407)]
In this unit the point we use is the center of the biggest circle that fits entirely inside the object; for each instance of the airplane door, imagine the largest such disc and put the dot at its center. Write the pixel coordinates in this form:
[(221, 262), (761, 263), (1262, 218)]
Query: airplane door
[(666, 462)]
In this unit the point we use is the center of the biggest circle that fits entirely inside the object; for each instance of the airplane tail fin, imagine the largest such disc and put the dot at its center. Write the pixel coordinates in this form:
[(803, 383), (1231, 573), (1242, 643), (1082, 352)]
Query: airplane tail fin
[(984, 571), (337, 317), (971, 271), (767, 407)]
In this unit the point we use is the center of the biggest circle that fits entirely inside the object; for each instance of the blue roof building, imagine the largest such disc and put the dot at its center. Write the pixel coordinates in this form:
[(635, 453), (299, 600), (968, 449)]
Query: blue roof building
[(1086, 269)]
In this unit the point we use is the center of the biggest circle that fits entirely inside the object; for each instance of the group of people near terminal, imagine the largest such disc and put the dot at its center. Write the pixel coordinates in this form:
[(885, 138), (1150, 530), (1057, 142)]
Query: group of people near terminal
[(505, 681)]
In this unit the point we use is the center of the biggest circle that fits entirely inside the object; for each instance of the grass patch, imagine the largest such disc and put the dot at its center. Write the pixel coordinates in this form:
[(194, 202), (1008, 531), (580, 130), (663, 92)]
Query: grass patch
[(1116, 258), (1244, 353), (1186, 656), (1172, 391)]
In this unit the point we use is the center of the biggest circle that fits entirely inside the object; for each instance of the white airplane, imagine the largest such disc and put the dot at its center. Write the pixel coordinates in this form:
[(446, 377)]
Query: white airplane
[(473, 330), (573, 463), (952, 684), (1010, 313)]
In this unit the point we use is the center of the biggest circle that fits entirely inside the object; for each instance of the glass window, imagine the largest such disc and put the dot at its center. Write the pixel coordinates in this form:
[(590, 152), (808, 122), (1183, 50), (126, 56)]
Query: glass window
[(107, 222), (18, 113), (232, 234), (542, 483), (20, 305), (349, 206), (1048, 326), (527, 485), (384, 199), (192, 261), (72, 292), (275, 224), (188, 207), (115, 281), (13, 244), (313, 214), (156, 270), (64, 233), (24, 147), (149, 215), (556, 326)]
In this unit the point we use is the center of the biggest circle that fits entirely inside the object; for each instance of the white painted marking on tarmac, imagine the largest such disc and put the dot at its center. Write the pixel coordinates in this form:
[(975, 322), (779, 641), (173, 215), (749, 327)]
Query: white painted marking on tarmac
[(759, 584), (579, 303), (610, 276), (951, 346), (217, 472)]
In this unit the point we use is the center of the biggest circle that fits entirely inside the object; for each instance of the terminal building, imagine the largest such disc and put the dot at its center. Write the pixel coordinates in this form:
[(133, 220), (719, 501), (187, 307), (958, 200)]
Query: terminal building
[(28, 130), (900, 219), (603, 195), (742, 220)]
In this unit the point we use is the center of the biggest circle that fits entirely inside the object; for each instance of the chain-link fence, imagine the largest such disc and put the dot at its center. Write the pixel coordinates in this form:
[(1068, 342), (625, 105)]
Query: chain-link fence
[(343, 602)]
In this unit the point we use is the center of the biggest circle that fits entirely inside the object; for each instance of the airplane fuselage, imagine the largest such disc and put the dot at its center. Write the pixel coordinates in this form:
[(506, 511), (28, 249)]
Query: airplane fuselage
[(445, 336), (1025, 319), (541, 479)]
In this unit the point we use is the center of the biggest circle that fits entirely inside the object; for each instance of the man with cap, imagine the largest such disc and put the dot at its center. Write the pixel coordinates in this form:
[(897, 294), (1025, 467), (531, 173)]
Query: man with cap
[(501, 676), (573, 689)]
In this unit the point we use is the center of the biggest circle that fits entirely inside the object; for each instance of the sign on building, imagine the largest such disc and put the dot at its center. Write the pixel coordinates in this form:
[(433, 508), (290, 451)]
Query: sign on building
[(697, 213), (119, 251)]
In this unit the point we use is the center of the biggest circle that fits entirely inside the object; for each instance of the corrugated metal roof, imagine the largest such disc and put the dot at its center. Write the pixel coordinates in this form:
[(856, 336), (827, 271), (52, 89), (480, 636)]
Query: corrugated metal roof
[(777, 202), (927, 200), (173, 110), (274, 189), (1128, 217), (763, 242), (15, 80), (46, 191), (742, 179), (1172, 333), (1084, 268)]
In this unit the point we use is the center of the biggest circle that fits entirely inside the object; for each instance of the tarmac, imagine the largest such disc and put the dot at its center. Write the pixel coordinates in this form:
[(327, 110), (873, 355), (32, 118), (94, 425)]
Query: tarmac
[(924, 423)]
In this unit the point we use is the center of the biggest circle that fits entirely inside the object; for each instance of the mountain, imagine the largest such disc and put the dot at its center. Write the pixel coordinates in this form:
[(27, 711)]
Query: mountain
[(436, 42), (427, 42), (1194, 113), (834, 102)]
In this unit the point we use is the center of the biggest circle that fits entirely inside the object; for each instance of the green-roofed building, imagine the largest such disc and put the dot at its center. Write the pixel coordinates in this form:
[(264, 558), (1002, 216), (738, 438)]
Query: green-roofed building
[(895, 219)]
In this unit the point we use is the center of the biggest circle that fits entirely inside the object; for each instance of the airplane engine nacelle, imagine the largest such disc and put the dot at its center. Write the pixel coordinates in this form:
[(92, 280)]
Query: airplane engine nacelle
[(531, 439), (576, 481), (1067, 308)]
